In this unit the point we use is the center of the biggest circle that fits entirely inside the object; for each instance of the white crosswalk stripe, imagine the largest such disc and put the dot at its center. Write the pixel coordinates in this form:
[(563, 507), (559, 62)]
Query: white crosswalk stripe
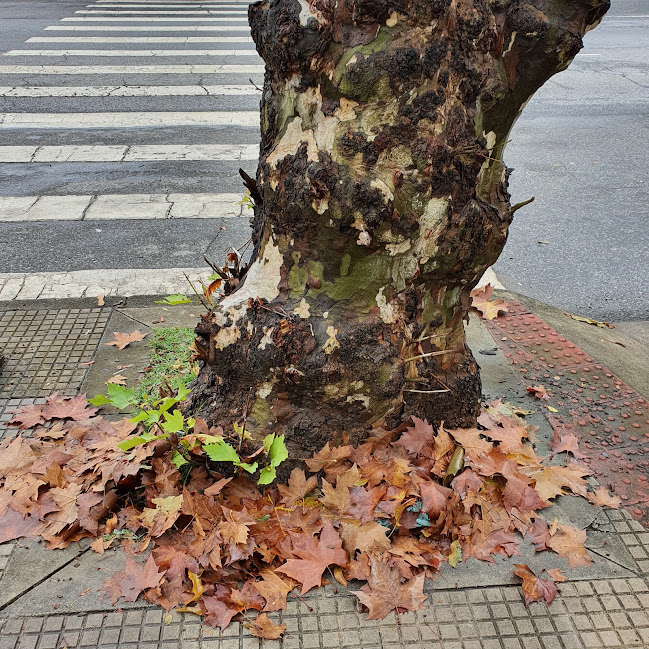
[(120, 206), (126, 120), (128, 91), (126, 153), (223, 19), (136, 53), (199, 12), (140, 39), (115, 150), (148, 28), (166, 6), (131, 69)]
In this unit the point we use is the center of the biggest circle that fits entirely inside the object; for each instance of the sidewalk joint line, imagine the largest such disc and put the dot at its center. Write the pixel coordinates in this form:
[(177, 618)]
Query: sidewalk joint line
[(44, 579)]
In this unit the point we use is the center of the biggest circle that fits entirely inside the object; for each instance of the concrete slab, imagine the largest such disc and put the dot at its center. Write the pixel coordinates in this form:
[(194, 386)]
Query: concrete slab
[(181, 315), (108, 360), (31, 565), (73, 585)]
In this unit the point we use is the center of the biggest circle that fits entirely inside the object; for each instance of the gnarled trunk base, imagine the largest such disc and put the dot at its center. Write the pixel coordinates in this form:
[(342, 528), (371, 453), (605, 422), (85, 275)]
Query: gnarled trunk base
[(381, 199)]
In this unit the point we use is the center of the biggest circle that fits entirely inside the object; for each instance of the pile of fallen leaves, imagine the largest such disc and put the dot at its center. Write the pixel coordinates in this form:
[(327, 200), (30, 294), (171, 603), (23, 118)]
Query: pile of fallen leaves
[(387, 513)]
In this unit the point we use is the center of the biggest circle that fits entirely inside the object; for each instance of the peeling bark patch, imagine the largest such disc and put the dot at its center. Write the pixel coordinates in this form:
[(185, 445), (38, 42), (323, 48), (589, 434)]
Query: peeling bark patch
[(302, 310), (430, 223), (226, 336), (261, 281), (290, 142), (385, 309), (331, 343)]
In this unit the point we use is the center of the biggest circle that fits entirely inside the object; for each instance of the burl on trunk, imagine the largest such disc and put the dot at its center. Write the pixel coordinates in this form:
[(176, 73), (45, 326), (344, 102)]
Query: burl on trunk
[(381, 199)]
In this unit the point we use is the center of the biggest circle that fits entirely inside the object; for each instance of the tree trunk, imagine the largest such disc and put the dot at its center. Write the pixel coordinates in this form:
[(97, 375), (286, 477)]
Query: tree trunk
[(381, 199)]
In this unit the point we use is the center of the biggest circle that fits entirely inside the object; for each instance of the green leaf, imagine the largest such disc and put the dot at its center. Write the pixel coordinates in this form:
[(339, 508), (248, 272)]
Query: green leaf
[(221, 452), (268, 442), (250, 468), (174, 422), (141, 416), (167, 404), (191, 422), (209, 439), (153, 418), (182, 393), (268, 474), (99, 400), (132, 442), (278, 452), (176, 298), (120, 396), (178, 459)]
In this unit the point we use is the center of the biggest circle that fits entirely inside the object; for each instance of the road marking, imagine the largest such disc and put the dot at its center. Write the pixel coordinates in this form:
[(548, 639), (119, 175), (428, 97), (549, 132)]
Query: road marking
[(128, 120), (151, 28), (17, 153), (127, 153), (90, 283), (167, 5), (127, 91), (221, 19), (136, 53), (182, 12), (131, 69), (121, 207), (185, 3), (140, 39)]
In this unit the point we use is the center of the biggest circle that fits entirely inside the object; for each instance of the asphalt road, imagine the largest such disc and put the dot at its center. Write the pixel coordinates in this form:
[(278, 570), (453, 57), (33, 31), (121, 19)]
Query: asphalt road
[(580, 148)]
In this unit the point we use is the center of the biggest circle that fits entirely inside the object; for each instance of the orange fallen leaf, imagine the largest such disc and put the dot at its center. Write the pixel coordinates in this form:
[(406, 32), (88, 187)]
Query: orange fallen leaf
[(123, 340), (263, 627), (482, 303), (602, 498)]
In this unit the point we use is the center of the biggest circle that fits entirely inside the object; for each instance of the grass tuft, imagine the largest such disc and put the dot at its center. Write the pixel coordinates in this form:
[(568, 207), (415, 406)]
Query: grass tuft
[(171, 349)]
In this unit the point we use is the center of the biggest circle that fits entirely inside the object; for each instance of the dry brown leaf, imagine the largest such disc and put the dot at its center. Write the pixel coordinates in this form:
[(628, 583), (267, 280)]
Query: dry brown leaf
[(264, 627), (535, 588), (133, 580), (117, 379), (315, 556), (566, 442), (568, 541), (274, 590), (298, 488), (366, 538), (384, 591), (481, 302), (122, 340), (603, 498)]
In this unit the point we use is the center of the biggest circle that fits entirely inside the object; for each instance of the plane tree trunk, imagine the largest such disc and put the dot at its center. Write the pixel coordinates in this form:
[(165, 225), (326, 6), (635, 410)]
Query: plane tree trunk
[(381, 199)]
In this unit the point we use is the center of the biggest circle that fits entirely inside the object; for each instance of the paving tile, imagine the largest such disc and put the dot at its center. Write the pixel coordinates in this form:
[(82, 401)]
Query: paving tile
[(45, 350)]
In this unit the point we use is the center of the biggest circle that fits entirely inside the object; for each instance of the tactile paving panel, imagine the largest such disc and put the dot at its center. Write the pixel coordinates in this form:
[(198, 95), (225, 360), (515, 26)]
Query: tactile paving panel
[(45, 350), (584, 398)]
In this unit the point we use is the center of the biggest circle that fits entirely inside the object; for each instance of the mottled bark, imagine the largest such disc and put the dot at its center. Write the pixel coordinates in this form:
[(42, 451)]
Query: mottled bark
[(382, 200)]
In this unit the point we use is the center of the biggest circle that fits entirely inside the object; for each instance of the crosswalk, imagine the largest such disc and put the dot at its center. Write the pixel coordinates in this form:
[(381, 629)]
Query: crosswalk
[(120, 147)]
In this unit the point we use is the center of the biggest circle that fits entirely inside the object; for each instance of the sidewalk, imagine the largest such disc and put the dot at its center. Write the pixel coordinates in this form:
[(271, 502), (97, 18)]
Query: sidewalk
[(598, 389)]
